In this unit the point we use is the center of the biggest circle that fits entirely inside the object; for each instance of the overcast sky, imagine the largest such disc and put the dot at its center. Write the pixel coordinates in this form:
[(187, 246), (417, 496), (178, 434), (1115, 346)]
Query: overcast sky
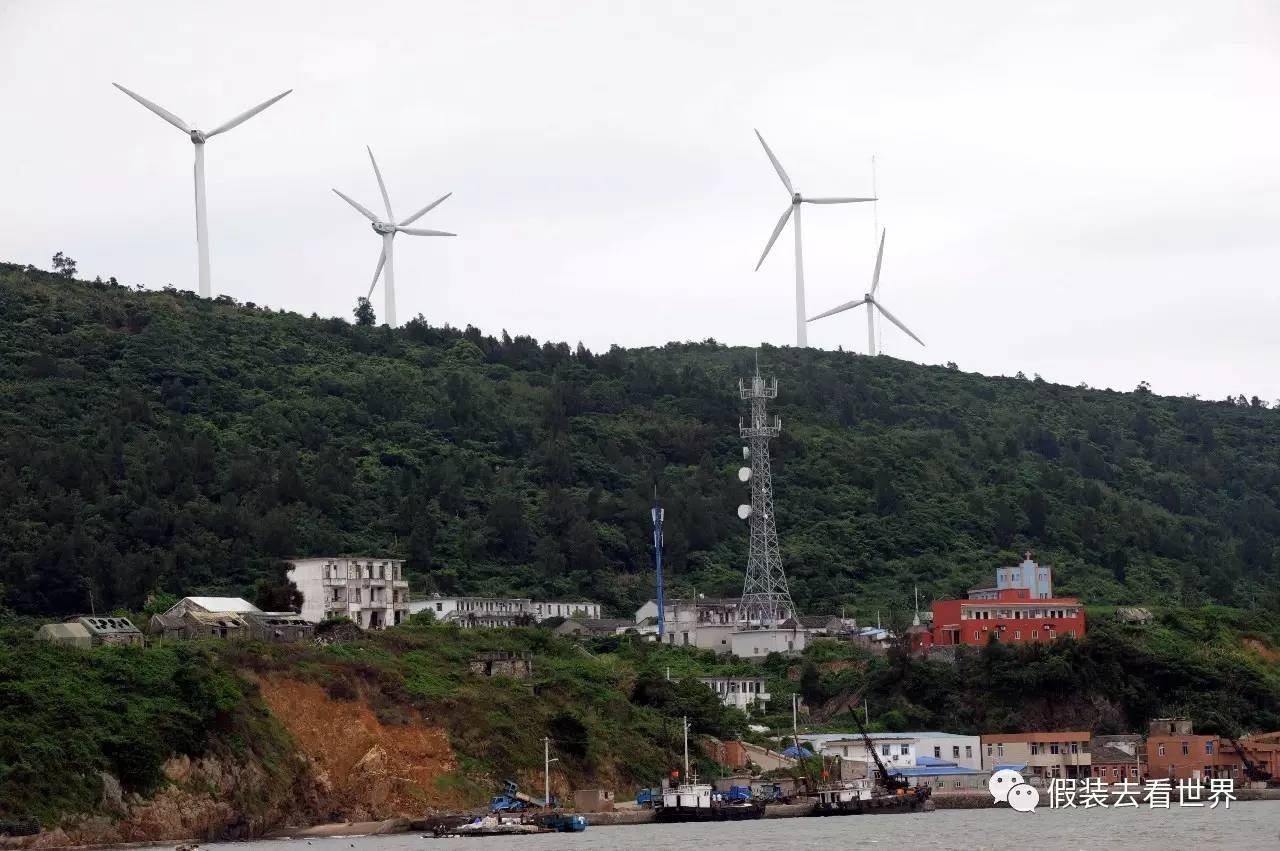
[(1089, 191)]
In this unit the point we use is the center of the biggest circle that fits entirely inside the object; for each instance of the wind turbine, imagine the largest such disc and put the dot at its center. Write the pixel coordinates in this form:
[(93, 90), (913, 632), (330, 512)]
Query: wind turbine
[(198, 138), (387, 230), (802, 334), (869, 299)]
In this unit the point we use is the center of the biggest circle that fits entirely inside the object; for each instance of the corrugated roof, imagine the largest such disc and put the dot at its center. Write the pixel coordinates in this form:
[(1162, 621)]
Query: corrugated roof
[(219, 604)]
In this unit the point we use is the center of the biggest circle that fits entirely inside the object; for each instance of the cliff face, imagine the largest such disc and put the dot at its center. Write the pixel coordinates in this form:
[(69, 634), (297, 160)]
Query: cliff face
[(347, 766), (363, 768)]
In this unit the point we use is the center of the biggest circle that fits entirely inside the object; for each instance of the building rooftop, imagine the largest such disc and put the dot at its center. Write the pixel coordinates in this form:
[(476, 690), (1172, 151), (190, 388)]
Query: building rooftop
[(66, 630), (108, 625), (601, 623), (1026, 601), (229, 619), (217, 604), (1065, 736)]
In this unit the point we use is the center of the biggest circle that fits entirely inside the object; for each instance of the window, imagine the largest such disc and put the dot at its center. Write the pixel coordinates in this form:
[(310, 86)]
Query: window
[(1054, 748), (1000, 749), (884, 750), (1017, 635), (1208, 746), (905, 750), (1035, 749), (955, 751), (975, 635), (1186, 750), (1160, 750), (1075, 747), (956, 784), (937, 753), (1035, 634), (968, 751), (1133, 771), (988, 750)]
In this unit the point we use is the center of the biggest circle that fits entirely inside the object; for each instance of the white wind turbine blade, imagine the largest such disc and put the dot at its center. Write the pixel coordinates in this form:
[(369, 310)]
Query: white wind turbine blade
[(782, 222), (425, 232), (157, 109), (836, 200), (244, 116), (875, 276), (382, 187), (848, 305), (363, 211), (894, 320), (777, 166), (382, 258), (425, 210)]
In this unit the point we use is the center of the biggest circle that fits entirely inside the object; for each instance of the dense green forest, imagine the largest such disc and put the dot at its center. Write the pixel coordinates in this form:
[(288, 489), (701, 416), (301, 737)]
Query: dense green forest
[(154, 441)]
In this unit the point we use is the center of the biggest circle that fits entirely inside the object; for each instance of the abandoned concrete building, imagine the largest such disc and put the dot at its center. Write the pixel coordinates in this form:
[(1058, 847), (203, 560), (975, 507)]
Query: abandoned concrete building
[(503, 663)]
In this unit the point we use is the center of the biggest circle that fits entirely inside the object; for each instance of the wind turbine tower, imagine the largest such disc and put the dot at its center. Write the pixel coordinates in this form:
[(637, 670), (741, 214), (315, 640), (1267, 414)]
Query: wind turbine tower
[(198, 138), (766, 600), (793, 208), (873, 304), (387, 230)]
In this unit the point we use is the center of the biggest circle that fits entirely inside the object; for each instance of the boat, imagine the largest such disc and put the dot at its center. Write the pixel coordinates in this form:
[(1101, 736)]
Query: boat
[(891, 794), (856, 797), (694, 801), (562, 822), (700, 802), (493, 826)]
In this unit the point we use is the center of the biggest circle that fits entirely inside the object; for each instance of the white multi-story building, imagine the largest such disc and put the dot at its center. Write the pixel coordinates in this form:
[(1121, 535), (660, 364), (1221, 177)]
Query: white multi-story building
[(902, 750), (542, 610), (739, 692), (704, 623), (896, 750), (372, 592), (501, 611)]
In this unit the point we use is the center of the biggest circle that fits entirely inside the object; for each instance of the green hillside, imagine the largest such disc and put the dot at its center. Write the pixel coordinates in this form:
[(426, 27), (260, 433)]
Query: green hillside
[(154, 441)]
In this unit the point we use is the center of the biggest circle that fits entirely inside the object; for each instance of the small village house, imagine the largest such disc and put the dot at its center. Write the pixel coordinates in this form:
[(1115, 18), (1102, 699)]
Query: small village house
[(194, 618), (278, 627), (593, 627), (71, 634), (738, 692), (1045, 755), (1118, 757), (1176, 752)]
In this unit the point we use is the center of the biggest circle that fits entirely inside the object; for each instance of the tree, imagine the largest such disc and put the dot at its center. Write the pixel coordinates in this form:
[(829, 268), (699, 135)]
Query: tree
[(364, 313), (64, 265)]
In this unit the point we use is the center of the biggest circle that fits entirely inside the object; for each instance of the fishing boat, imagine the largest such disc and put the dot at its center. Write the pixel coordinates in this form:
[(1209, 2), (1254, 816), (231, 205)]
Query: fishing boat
[(854, 797), (694, 801)]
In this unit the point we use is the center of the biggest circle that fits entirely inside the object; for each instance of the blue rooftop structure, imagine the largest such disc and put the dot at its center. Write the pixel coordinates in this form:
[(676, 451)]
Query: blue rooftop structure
[(1012, 766), (927, 766), (797, 753)]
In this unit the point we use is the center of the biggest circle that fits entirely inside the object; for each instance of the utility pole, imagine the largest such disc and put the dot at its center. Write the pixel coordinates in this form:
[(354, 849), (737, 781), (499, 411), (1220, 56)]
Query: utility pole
[(685, 720), (546, 771), (657, 514), (866, 713), (795, 729)]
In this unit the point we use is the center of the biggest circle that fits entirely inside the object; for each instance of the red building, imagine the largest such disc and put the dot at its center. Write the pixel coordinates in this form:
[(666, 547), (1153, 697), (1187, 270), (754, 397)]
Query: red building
[(1018, 613)]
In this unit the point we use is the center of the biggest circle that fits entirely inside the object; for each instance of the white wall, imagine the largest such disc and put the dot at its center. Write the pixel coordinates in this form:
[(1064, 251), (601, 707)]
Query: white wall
[(758, 643)]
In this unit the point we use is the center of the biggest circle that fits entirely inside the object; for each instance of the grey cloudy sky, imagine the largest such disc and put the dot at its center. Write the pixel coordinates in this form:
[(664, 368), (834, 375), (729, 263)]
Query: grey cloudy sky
[(1090, 191)]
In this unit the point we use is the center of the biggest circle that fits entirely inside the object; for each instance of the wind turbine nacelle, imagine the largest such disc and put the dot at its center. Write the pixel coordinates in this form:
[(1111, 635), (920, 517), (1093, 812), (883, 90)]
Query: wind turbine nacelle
[(382, 229), (796, 198), (197, 137)]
